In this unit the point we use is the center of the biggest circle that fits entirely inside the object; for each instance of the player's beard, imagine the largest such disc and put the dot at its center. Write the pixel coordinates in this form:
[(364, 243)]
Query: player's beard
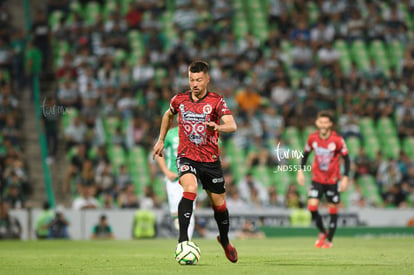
[(325, 131), (197, 92)]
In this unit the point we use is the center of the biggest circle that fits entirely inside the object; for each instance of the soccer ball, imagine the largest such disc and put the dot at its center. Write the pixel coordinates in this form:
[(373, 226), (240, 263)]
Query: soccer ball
[(187, 253)]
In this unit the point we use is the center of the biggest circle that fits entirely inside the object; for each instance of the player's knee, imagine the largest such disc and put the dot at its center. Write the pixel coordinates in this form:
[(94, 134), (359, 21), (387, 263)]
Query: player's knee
[(312, 207), (220, 208), (333, 210)]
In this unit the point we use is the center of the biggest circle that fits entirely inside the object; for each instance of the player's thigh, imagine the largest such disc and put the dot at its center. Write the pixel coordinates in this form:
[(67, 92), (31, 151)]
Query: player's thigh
[(174, 194), (187, 173), (332, 194), (212, 178), (315, 193)]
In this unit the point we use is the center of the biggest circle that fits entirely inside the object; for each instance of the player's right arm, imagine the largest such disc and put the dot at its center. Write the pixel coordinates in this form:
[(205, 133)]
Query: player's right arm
[(165, 126), (167, 172), (301, 177)]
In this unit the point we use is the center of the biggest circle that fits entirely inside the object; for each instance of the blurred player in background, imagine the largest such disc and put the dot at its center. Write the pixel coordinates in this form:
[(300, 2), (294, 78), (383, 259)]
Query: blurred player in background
[(199, 113), (328, 146), (168, 166)]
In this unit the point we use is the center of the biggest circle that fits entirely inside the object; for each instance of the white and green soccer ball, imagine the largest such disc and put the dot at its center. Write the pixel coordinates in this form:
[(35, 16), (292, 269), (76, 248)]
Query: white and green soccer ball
[(187, 253)]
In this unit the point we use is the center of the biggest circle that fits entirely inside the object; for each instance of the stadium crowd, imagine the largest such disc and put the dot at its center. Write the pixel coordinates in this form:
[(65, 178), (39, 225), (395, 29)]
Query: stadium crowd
[(118, 63), (14, 182)]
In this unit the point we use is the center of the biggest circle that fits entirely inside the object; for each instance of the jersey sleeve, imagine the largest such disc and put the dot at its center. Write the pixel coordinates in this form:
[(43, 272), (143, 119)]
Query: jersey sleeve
[(308, 145), (343, 147), (222, 108), (174, 105)]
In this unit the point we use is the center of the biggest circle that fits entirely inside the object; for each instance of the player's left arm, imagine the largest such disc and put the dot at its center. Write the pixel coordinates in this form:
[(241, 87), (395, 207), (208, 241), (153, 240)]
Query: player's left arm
[(347, 165)]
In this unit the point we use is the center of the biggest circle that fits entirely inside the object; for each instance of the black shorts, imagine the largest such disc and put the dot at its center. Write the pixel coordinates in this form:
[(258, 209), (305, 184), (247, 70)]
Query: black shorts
[(330, 190), (209, 174)]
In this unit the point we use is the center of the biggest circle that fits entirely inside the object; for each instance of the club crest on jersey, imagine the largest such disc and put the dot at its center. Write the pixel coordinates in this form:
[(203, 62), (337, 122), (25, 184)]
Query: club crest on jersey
[(332, 146), (207, 109), (184, 168)]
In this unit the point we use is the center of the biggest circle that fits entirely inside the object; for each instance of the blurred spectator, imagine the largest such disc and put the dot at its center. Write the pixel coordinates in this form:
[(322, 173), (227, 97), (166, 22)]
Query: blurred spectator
[(406, 127), (349, 126), (43, 221), (395, 197), (50, 122), (127, 198), (14, 197), (75, 133), (275, 199), (10, 227), (252, 191), (86, 200), (388, 175), (57, 5), (233, 200), (32, 64), (248, 99), (292, 197), (105, 180), (302, 57), (102, 230), (149, 199), (363, 163), (58, 226), (249, 230), (144, 224), (134, 16), (355, 26), (5, 55), (357, 198), (41, 34)]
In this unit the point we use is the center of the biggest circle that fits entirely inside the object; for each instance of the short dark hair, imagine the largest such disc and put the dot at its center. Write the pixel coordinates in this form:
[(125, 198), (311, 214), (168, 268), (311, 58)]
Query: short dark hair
[(198, 66), (327, 114)]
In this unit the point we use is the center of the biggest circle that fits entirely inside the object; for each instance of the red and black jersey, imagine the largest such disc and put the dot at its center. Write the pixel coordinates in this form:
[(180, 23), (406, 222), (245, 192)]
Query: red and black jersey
[(326, 166), (197, 142)]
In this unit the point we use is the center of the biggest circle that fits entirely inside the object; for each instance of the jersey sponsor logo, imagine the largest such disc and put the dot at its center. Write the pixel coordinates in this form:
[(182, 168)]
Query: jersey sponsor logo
[(193, 125), (207, 109), (218, 180), (324, 157), (330, 193)]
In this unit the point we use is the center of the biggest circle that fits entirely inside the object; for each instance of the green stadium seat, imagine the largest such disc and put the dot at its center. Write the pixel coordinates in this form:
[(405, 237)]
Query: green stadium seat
[(354, 144), (408, 146), (54, 18), (395, 52), (263, 174), (369, 189)]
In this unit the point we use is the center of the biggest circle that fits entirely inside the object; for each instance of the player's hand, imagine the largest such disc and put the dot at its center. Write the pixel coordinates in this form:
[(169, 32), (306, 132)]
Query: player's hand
[(344, 183), (158, 149), (300, 178), (171, 175), (212, 125)]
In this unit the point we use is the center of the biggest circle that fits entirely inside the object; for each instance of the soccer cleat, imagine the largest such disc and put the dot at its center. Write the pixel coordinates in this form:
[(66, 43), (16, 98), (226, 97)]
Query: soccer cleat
[(231, 252), (321, 239), (327, 244)]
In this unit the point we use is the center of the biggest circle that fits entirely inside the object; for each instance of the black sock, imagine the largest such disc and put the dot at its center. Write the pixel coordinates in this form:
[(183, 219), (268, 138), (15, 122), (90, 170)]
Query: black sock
[(332, 226), (223, 223), (185, 210), (318, 221)]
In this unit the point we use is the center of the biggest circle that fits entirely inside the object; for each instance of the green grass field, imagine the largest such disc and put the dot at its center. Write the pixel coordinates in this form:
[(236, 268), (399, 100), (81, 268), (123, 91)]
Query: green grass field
[(268, 256)]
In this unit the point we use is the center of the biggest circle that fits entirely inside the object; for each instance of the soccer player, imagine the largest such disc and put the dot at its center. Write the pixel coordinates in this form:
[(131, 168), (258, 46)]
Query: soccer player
[(328, 146), (199, 113), (168, 166)]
